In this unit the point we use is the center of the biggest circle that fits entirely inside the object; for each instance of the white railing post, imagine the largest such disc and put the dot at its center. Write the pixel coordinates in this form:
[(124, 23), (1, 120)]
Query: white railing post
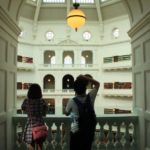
[(49, 144), (66, 136), (58, 145), (127, 144), (118, 144), (94, 144), (102, 145), (110, 144)]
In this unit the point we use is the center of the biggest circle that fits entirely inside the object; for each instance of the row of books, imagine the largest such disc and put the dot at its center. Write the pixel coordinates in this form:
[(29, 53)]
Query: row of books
[(24, 59), (118, 85), (24, 86), (116, 58), (51, 110), (116, 111)]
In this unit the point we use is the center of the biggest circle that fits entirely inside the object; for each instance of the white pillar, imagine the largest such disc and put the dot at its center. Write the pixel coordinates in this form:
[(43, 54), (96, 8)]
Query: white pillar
[(140, 34), (9, 32), (58, 105), (58, 54), (77, 56)]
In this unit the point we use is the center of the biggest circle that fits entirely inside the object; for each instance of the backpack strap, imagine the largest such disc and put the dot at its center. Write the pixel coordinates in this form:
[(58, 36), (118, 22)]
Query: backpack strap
[(80, 104)]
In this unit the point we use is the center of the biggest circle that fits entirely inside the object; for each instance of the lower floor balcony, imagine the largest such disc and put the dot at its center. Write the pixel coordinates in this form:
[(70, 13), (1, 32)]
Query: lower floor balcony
[(113, 132)]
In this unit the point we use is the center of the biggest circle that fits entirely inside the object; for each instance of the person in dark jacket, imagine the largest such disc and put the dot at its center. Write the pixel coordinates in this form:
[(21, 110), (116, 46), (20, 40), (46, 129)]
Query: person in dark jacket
[(77, 140), (36, 108)]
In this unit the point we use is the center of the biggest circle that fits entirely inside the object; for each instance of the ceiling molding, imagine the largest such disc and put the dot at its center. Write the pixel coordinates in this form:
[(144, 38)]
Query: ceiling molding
[(36, 16), (65, 5), (100, 18), (57, 13), (116, 19), (8, 24), (129, 10), (19, 9), (99, 12), (68, 7), (37, 10), (29, 2), (144, 21), (110, 2)]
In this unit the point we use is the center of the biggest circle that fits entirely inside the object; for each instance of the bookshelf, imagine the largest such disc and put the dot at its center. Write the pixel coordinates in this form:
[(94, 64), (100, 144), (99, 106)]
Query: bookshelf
[(117, 93), (25, 63), (120, 62)]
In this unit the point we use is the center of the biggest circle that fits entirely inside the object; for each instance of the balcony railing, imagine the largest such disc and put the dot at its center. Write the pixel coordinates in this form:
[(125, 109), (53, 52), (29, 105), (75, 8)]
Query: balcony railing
[(23, 92), (68, 66), (113, 132), (117, 92), (25, 66)]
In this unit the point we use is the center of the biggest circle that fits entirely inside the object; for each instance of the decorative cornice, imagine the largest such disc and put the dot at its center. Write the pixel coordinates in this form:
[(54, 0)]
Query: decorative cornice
[(9, 23), (145, 20), (75, 44)]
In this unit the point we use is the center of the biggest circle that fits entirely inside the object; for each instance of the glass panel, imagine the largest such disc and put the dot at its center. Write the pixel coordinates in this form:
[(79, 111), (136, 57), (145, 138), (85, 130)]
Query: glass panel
[(83, 1), (103, 1), (115, 32), (68, 60), (53, 1), (82, 60)]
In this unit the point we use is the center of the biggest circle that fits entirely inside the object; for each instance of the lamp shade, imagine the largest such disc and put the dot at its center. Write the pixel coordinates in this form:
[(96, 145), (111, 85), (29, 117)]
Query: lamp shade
[(76, 18)]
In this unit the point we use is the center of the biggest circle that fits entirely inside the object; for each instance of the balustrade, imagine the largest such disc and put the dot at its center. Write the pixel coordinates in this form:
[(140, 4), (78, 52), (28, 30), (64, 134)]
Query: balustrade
[(113, 132), (67, 66)]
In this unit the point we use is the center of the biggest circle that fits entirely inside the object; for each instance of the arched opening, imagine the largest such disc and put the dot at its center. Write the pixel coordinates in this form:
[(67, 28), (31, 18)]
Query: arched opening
[(51, 105), (68, 82), (83, 60), (64, 104), (88, 56), (49, 57), (68, 57), (67, 60), (49, 82)]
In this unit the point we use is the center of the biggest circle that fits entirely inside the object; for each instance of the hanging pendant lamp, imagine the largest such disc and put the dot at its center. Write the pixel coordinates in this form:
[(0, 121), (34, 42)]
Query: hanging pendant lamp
[(76, 17)]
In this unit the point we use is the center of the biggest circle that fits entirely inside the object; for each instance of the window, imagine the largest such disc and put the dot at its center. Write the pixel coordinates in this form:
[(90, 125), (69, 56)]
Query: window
[(49, 35), (49, 82), (53, 60), (88, 56), (86, 35), (103, 1), (68, 60), (49, 57), (21, 34), (84, 1), (53, 1), (115, 33), (83, 60)]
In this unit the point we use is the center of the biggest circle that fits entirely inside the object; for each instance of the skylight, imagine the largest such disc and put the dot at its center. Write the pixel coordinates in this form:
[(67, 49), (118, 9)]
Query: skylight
[(33, 0), (84, 1), (103, 1), (53, 1)]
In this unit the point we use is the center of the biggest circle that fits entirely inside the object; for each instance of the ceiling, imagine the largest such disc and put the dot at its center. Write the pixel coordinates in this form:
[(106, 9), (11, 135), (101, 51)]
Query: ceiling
[(56, 10)]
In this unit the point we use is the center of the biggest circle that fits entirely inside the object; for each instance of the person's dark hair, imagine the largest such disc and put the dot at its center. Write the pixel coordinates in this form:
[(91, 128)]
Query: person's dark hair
[(80, 86), (34, 91)]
